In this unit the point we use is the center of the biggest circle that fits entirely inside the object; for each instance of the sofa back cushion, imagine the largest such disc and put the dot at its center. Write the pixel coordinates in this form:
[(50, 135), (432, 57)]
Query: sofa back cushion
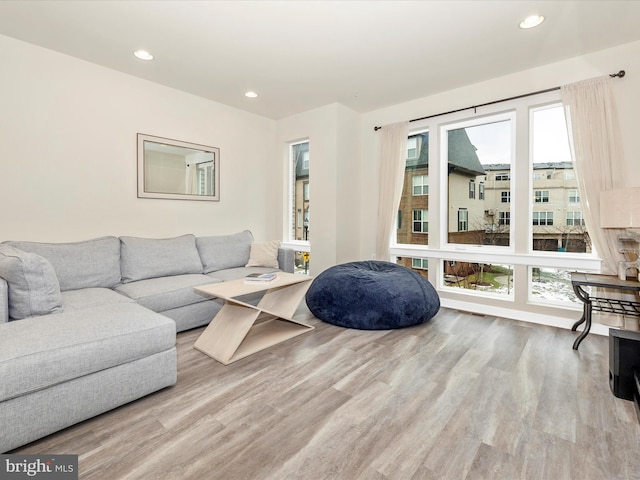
[(158, 257), (224, 251), (87, 264), (32, 283)]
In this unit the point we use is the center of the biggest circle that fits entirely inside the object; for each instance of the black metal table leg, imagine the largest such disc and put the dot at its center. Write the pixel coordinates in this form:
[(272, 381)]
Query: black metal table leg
[(586, 316)]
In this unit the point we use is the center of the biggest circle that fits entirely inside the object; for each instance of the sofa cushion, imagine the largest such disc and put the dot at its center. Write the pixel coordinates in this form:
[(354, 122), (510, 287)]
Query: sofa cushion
[(264, 254), (91, 297), (165, 293), (91, 263), (144, 258), (33, 287), (46, 351), (224, 251)]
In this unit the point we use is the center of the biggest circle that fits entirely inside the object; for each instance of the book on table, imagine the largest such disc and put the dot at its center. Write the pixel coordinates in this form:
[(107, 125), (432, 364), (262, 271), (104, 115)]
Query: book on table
[(260, 277)]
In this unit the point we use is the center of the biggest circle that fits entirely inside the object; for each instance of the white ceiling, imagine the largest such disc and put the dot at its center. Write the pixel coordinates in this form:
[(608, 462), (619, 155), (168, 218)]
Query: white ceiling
[(299, 55)]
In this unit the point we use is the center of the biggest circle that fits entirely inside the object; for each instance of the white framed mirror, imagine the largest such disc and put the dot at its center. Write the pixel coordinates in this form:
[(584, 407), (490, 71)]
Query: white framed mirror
[(177, 170)]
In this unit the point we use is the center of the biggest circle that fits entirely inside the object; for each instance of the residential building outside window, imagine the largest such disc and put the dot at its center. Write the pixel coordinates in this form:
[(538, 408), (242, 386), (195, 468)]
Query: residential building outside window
[(481, 191), (557, 189), (505, 197), (504, 218), (472, 189)]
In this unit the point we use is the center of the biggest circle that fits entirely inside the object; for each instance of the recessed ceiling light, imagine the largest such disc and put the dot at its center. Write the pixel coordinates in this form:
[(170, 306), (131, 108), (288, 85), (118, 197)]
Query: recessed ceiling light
[(251, 94), (143, 55), (532, 21)]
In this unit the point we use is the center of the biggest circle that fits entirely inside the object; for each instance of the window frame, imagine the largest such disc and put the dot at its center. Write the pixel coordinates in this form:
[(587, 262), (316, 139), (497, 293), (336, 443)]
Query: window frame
[(520, 253)]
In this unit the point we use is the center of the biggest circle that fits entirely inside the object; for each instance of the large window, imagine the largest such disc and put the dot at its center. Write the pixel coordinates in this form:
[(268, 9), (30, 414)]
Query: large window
[(554, 186), (481, 170), (479, 151), (299, 188), (299, 201), (413, 214)]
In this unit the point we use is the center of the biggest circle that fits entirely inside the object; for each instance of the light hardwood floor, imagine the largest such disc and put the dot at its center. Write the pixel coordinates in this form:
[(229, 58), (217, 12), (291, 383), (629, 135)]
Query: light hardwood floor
[(461, 397)]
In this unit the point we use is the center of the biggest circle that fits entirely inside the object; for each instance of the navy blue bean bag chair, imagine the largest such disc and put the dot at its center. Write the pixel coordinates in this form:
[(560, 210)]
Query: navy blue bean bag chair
[(372, 295)]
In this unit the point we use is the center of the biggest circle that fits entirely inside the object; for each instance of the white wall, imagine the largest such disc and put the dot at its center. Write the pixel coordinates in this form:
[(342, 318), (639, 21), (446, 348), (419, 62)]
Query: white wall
[(334, 190), (68, 153), (625, 57)]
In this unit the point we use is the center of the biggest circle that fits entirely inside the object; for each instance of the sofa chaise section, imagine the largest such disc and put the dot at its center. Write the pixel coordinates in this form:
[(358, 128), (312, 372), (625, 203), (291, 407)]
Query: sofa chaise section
[(59, 370)]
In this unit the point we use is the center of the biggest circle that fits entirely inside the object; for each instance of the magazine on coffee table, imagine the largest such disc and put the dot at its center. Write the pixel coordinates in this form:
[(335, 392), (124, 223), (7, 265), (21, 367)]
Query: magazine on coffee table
[(260, 277)]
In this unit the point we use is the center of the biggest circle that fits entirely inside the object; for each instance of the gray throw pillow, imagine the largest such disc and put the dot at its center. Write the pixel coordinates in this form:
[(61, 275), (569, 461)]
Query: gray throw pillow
[(86, 264), (224, 251), (158, 257), (33, 286)]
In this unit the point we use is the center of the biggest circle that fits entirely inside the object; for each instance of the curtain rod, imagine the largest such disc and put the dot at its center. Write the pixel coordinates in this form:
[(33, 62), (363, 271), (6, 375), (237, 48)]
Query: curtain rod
[(620, 74)]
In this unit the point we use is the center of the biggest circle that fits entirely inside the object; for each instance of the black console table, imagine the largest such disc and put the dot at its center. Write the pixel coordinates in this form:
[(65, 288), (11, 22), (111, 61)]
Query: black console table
[(601, 304)]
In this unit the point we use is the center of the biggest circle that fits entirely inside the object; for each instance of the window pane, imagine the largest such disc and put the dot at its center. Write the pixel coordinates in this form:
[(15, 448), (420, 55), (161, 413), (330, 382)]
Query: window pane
[(479, 154), (555, 188), (302, 262), (413, 213), (299, 158), (480, 277), (552, 285)]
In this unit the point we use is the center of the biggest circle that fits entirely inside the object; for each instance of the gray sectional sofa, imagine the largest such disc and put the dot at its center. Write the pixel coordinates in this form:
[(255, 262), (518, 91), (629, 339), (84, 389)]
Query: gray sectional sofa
[(89, 326)]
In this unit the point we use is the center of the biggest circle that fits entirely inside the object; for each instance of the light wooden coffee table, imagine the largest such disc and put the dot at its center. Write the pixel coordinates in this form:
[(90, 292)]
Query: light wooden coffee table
[(240, 329)]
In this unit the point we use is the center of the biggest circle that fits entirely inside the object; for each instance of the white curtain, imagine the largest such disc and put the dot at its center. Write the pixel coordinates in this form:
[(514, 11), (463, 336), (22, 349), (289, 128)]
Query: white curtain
[(393, 157), (594, 137)]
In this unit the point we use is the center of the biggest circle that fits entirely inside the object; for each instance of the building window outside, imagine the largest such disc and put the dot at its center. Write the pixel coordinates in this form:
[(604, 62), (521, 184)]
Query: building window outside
[(505, 197), (502, 176), (412, 148), (575, 219), (543, 218), (305, 191), (472, 189), (463, 220), (541, 196), (574, 197), (420, 263), (504, 218), (420, 185), (420, 221), (481, 191)]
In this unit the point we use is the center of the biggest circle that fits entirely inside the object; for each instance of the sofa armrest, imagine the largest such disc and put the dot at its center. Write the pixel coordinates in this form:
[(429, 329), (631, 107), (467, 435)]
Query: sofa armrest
[(4, 301), (286, 259)]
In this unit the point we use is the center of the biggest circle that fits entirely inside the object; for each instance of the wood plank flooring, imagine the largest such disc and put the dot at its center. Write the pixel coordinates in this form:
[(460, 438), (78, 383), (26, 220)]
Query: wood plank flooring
[(462, 397)]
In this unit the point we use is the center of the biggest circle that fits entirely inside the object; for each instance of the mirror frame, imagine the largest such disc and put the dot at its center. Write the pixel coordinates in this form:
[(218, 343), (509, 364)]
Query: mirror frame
[(142, 138)]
